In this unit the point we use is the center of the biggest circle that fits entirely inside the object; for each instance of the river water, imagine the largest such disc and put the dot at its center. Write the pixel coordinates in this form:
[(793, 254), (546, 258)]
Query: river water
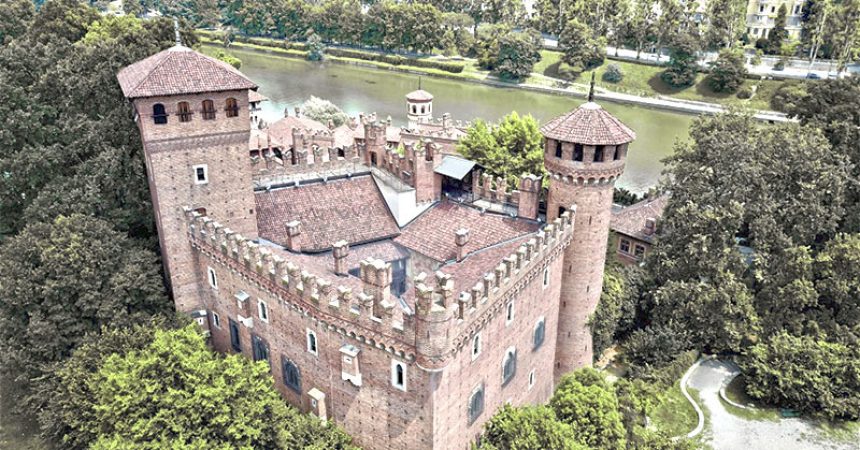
[(289, 82)]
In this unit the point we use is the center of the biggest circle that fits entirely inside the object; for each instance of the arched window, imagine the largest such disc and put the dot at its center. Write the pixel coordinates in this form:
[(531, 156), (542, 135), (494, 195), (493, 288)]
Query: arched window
[(540, 331), (414, 109), (292, 378), (422, 109), (476, 403), (259, 348), (509, 365), (398, 375), (312, 342), (159, 115), (208, 110), (232, 107), (183, 109), (476, 346)]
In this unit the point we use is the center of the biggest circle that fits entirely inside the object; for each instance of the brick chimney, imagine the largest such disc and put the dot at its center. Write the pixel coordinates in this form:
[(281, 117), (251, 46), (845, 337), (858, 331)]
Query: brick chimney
[(294, 231), (340, 250), (650, 225), (530, 189), (461, 240)]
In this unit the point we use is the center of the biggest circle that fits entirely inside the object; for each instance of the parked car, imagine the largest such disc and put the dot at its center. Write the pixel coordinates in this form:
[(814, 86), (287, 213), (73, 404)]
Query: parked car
[(812, 76)]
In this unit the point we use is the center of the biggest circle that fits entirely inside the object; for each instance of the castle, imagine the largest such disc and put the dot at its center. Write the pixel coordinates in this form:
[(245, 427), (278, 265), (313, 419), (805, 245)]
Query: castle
[(395, 290)]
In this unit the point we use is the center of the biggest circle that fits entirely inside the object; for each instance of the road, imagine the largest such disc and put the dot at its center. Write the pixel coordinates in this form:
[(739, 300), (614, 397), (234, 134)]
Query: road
[(726, 431)]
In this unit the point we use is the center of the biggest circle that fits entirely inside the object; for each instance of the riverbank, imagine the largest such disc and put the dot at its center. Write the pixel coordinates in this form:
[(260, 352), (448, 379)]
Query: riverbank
[(536, 83)]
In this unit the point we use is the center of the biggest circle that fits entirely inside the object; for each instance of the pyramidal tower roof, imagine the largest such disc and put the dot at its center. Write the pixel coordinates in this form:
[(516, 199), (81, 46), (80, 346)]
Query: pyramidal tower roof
[(589, 125), (180, 70)]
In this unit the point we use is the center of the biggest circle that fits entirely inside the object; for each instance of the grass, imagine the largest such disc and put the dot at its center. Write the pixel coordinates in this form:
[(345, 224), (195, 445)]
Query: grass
[(674, 414), (644, 80)]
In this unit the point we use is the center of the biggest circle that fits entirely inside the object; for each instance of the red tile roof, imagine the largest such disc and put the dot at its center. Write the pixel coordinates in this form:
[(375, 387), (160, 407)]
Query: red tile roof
[(282, 129), (631, 220), (180, 70), (433, 232), (419, 95), (590, 125), (472, 269), (351, 209)]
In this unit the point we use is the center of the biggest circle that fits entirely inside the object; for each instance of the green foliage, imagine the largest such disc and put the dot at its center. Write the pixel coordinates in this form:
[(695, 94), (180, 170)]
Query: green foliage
[(581, 48), (604, 321), (837, 273), (527, 428), (510, 149), (315, 47), (586, 402), (787, 95), (15, 17), (324, 111), (778, 34), (518, 53), (63, 280), (807, 374), (683, 62), (453, 67), (654, 346), (613, 73), (228, 58), (744, 93), (171, 390), (728, 71)]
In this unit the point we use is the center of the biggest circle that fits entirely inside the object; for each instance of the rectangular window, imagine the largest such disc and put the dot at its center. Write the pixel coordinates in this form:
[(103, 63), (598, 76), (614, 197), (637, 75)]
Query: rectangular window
[(201, 174), (558, 149), (216, 319), (263, 311), (213, 279), (235, 340), (577, 152), (598, 153), (639, 251), (624, 246), (260, 349), (398, 375), (292, 378)]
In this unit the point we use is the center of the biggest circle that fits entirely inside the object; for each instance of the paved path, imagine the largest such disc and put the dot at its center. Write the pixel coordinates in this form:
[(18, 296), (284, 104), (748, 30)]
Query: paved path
[(726, 431)]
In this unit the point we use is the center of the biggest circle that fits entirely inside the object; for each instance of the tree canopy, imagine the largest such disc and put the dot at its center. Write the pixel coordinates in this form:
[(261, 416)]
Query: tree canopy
[(510, 149)]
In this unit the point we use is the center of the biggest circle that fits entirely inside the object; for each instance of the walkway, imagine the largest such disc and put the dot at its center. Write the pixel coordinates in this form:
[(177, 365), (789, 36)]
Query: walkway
[(726, 431)]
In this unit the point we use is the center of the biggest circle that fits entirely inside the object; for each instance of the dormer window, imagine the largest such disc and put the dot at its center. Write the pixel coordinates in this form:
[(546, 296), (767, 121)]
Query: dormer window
[(232, 107), (577, 152), (208, 110), (183, 110), (159, 115)]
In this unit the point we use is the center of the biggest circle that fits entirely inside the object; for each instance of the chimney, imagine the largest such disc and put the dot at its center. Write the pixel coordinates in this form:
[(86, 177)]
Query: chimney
[(286, 112), (298, 111), (330, 124), (461, 240), (446, 120), (294, 231), (340, 250), (650, 225)]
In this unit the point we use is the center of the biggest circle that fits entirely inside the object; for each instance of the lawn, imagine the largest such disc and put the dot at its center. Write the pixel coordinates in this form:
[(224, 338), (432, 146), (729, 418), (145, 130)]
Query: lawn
[(644, 80), (674, 414)]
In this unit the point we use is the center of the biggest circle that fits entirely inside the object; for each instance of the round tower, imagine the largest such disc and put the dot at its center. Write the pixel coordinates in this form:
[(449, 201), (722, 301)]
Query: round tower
[(584, 152), (419, 106)]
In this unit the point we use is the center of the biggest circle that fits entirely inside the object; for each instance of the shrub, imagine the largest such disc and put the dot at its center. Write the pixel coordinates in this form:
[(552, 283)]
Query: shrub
[(613, 73), (397, 60), (728, 71), (761, 43), (744, 93), (780, 65)]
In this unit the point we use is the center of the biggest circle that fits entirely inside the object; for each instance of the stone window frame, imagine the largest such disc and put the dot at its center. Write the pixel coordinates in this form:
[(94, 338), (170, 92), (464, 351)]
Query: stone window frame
[(395, 364), (509, 372), (212, 277), (286, 365), (312, 342), (196, 174), (216, 320), (624, 243), (476, 339), (538, 339), (475, 406), (509, 313), (263, 310)]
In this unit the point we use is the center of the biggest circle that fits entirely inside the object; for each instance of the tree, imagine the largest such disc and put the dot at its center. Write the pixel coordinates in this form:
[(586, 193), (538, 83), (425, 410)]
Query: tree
[(778, 34), (133, 8), (586, 402), (512, 148), (15, 17), (727, 22), (814, 26), (642, 24), (580, 48), (683, 64), (324, 111), (845, 26), (527, 428), (62, 280), (228, 58), (837, 270), (728, 71), (315, 47), (606, 317), (668, 23), (805, 373), (518, 53), (181, 376)]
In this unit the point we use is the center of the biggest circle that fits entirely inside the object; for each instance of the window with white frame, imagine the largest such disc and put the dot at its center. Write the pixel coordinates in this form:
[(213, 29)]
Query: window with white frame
[(312, 342), (213, 278), (216, 319), (531, 379), (201, 174), (546, 277), (263, 310), (509, 365), (509, 313), (398, 375), (476, 346)]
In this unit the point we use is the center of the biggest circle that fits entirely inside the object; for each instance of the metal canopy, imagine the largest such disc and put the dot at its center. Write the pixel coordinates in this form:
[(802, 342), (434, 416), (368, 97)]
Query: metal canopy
[(455, 167)]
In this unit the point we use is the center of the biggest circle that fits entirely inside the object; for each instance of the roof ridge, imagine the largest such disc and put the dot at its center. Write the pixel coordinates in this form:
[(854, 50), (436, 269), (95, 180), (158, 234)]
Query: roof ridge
[(149, 72)]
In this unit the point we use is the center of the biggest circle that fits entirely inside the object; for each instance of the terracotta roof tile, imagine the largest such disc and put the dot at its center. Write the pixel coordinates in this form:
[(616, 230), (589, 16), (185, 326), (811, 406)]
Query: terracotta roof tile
[(472, 269), (180, 70), (282, 129), (631, 220), (350, 209), (590, 125), (433, 233)]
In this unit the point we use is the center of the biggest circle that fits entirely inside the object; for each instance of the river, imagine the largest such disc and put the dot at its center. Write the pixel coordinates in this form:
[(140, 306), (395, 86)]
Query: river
[(289, 82)]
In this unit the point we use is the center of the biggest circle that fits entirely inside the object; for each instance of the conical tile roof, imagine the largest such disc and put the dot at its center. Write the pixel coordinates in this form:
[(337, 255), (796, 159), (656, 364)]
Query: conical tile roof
[(589, 125), (180, 70)]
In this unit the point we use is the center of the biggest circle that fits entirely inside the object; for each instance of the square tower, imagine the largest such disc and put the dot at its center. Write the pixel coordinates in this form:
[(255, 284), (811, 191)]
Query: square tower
[(192, 112)]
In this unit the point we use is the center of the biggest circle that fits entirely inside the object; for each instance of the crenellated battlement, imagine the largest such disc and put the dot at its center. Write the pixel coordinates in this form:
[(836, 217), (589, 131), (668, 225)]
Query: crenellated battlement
[(357, 310), (303, 163), (497, 190)]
